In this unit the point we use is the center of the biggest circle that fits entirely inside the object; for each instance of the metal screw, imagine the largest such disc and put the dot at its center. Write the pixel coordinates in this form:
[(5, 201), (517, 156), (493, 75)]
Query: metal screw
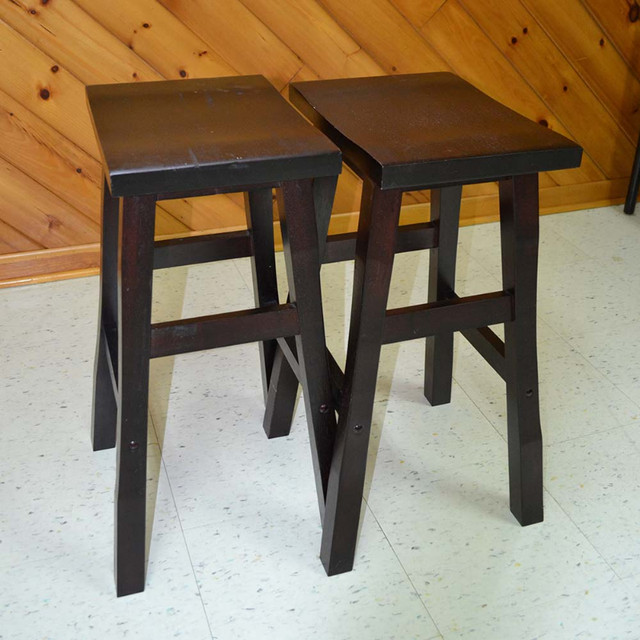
[(358, 428), (324, 408), (133, 445), (528, 393)]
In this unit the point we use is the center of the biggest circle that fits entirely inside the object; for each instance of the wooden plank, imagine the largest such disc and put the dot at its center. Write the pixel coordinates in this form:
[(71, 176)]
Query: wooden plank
[(312, 34), (30, 267), (590, 52), (473, 55), (12, 241), (57, 97), (37, 149), (517, 34), (41, 215), (615, 19), (232, 31), (382, 31), (62, 30), (418, 12), (159, 38)]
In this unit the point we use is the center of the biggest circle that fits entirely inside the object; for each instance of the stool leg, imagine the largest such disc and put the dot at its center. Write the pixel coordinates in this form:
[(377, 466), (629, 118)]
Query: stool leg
[(259, 214), (104, 413), (634, 183), (438, 363), (375, 246), (519, 226), (300, 240), (283, 383), (137, 217)]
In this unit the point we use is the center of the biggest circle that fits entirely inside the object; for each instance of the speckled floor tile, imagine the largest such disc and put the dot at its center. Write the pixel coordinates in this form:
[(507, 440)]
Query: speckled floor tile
[(611, 612), (236, 534), (596, 480), (576, 399), (274, 585), (467, 556)]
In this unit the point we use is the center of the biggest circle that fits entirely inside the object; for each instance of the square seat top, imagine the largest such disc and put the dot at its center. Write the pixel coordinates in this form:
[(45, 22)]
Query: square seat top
[(204, 133), (429, 129)]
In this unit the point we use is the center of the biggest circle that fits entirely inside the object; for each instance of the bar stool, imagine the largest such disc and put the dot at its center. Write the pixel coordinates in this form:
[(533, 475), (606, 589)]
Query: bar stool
[(435, 131), (177, 139)]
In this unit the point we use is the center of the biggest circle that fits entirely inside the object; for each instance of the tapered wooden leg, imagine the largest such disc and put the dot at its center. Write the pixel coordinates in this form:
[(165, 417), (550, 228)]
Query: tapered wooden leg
[(519, 225), (283, 389), (259, 214), (375, 245), (438, 365), (302, 258), (134, 318), (104, 413)]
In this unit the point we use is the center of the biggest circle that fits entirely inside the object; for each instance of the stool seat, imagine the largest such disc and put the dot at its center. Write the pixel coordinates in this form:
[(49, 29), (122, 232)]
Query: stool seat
[(203, 133), (426, 129)]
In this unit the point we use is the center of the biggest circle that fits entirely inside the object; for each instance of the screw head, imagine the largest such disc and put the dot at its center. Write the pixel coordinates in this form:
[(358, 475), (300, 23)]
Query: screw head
[(528, 393), (358, 428), (134, 446), (324, 408)]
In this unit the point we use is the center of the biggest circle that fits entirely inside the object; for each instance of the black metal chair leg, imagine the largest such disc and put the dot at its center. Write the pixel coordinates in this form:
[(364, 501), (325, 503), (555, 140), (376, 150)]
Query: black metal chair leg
[(519, 226), (375, 246), (302, 258), (438, 364), (105, 408), (634, 183), (259, 214), (134, 291), (281, 399)]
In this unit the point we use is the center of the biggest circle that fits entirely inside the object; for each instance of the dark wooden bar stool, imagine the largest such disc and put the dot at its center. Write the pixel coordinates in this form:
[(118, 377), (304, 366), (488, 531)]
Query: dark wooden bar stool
[(176, 139), (435, 131)]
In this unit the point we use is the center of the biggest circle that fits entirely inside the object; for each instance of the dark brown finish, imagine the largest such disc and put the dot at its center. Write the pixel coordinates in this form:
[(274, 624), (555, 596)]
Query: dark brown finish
[(299, 232), (438, 361), (446, 316), (411, 237), (379, 215), (247, 139), (519, 228), (433, 131), (634, 183), (135, 275), (402, 132), (181, 135), (223, 330), (259, 215), (177, 252), (281, 405), (104, 412)]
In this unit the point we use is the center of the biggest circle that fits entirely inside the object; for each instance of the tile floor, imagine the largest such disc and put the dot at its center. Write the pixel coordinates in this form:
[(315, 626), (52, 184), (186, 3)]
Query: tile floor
[(235, 535)]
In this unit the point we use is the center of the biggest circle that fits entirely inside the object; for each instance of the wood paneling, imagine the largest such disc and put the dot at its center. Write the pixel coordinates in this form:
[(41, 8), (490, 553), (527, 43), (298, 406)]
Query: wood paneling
[(572, 65)]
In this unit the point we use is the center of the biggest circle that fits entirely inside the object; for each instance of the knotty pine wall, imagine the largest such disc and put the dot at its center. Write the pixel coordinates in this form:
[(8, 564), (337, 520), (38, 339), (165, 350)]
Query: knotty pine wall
[(572, 65)]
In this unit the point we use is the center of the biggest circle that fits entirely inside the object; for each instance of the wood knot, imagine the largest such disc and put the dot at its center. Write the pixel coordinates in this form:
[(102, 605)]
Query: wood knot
[(202, 53), (514, 40), (602, 42), (52, 222), (78, 170), (565, 88), (33, 12), (394, 68), (44, 2), (183, 73), (55, 68), (634, 12), (525, 31), (543, 122), (146, 25), (44, 94)]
